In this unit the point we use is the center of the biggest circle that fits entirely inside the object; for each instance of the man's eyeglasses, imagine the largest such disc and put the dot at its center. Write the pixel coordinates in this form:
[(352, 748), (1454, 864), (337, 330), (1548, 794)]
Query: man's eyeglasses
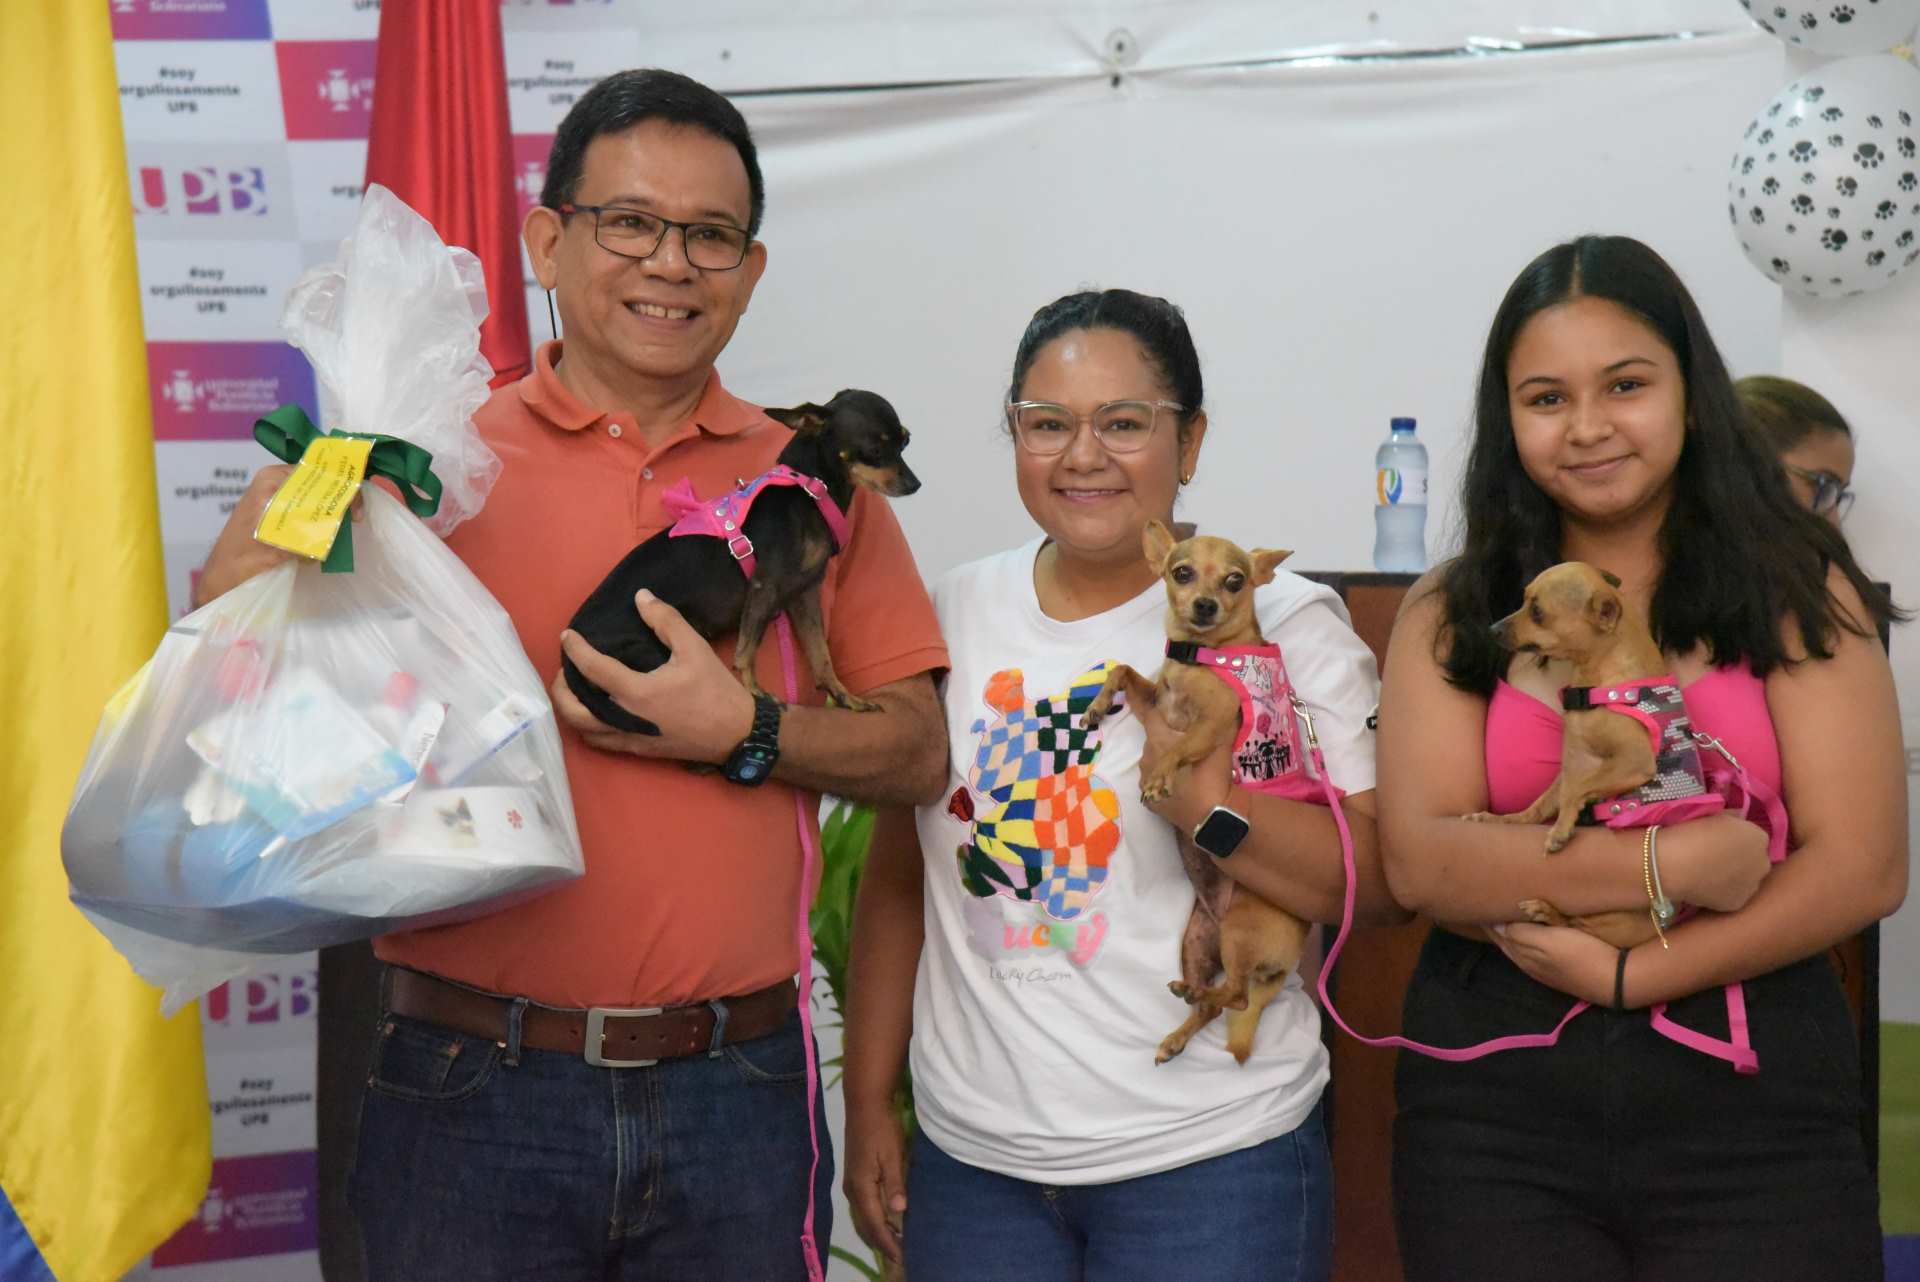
[(1830, 493), (1121, 427), (635, 233)]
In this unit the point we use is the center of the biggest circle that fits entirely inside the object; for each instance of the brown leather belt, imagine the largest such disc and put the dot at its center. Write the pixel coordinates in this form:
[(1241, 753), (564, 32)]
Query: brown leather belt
[(610, 1036)]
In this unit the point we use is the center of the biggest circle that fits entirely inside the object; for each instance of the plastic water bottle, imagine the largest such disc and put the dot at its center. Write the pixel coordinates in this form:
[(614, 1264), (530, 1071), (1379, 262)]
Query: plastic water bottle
[(1400, 506)]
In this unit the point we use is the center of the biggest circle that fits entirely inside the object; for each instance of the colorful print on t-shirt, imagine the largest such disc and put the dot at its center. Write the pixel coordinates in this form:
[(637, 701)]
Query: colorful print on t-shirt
[(1043, 826)]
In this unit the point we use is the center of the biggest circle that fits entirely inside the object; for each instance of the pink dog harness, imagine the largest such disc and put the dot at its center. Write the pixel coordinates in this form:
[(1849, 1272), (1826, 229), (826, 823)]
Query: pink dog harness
[(725, 518), (1267, 755), (1678, 790)]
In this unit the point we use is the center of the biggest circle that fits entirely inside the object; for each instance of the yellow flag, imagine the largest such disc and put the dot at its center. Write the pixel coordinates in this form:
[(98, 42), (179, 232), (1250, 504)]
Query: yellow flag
[(104, 1130)]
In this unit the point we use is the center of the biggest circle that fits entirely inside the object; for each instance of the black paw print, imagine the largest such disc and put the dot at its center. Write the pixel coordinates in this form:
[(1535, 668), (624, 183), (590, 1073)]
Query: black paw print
[(1803, 151), (1836, 140), (1906, 117), (1833, 211), (1877, 257), (1770, 186), (1757, 214), (1802, 204), (1868, 156), (1908, 261), (1814, 94), (1908, 182), (1842, 13), (1875, 121), (1847, 186), (1833, 238), (1904, 145), (1746, 166), (1904, 239), (1807, 179), (1765, 138), (1782, 266), (1832, 114), (1792, 228), (1775, 109), (1885, 210), (1808, 21), (1779, 13), (1794, 122), (1866, 233)]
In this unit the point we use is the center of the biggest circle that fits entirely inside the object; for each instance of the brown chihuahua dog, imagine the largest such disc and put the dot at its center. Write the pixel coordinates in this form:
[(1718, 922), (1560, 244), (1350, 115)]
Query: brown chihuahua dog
[(1575, 612), (1210, 585)]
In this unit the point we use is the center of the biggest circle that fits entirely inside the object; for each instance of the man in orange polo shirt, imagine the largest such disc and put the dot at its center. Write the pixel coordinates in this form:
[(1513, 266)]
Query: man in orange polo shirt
[(609, 1080)]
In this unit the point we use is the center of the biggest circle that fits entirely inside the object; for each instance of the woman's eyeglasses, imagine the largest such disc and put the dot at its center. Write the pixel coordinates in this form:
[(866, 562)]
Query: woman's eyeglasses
[(1830, 493), (1121, 427)]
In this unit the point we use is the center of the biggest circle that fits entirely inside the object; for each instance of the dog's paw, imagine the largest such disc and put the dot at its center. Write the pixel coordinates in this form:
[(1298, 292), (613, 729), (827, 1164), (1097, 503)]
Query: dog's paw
[(1557, 842), (1481, 817), (1096, 712), (1179, 989), (1156, 787), (851, 702), (1170, 1048), (1538, 911)]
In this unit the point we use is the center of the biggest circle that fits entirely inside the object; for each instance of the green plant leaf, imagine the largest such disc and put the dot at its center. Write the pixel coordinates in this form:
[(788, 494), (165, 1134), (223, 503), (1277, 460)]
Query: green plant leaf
[(867, 1270)]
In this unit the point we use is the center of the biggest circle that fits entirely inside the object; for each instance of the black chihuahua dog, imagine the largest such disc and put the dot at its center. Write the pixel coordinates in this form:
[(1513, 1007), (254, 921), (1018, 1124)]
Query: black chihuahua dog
[(854, 439)]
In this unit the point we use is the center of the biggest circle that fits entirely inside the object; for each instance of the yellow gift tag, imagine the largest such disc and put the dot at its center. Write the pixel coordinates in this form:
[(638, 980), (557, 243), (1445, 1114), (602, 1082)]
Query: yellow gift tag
[(304, 515)]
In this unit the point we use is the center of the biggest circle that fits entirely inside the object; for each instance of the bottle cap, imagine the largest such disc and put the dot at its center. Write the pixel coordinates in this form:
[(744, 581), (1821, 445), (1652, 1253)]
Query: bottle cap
[(1402, 425)]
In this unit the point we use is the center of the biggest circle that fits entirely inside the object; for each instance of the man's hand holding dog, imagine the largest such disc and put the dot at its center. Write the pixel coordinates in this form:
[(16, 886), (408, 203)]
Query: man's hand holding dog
[(700, 706)]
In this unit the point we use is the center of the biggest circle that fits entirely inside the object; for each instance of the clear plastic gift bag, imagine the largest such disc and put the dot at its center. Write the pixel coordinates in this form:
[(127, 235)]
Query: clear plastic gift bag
[(319, 757)]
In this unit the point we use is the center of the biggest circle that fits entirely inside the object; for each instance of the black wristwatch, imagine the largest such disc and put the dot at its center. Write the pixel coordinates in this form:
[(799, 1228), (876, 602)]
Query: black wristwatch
[(1221, 832), (751, 764)]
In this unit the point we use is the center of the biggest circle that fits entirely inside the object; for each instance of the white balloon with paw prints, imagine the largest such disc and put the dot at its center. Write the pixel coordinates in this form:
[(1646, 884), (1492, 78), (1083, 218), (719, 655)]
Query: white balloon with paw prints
[(1825, 190), (1838, 27)]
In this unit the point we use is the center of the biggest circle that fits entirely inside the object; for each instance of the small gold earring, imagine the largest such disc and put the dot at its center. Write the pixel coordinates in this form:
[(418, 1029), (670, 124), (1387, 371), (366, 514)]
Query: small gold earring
[(1186, 478)]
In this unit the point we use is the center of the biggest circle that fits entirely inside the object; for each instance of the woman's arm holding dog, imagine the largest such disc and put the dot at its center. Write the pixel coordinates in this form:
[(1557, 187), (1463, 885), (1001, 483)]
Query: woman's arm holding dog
[(1432, 771), (888, 933), (1291, 854), (896, 756)]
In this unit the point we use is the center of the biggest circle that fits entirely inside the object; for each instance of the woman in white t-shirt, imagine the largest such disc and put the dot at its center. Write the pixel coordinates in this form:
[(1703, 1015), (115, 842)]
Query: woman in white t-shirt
[(1024, 930)]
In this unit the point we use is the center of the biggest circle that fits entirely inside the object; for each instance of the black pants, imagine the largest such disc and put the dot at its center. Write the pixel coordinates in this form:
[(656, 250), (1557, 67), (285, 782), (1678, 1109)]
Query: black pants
[(1618, 1154)]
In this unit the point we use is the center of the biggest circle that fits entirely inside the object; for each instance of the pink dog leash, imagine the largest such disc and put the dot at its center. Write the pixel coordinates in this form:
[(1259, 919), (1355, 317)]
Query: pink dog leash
[(1737, 1049)]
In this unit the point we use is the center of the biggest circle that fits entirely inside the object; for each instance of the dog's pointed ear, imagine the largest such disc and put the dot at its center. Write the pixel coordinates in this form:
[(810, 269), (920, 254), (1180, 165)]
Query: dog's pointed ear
[(1266, 561), (1613, 580), (801, 418), (1157, 541), (1604, 609)]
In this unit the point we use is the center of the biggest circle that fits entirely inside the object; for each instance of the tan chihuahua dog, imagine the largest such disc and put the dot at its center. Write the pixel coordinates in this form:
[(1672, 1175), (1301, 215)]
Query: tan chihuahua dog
[(1210, 585), (1575, 612)]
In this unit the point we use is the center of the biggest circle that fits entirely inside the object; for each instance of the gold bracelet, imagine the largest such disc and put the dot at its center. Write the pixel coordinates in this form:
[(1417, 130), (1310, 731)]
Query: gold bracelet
[(1646, 875)]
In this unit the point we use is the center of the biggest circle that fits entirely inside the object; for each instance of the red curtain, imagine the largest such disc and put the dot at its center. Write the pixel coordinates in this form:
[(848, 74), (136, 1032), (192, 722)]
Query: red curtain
[(441, 141)]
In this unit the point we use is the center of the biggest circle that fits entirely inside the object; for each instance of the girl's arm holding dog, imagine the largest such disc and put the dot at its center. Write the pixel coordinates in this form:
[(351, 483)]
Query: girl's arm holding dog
[(889, 930), (1841, 763), (1432, 762)]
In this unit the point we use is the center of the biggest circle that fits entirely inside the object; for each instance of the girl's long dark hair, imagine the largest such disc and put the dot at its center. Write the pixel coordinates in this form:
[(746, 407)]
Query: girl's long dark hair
[(1738, 555)]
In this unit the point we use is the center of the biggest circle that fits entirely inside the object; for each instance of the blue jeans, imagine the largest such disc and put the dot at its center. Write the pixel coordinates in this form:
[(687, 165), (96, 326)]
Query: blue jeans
[(1261, 1214), (473, 1168)]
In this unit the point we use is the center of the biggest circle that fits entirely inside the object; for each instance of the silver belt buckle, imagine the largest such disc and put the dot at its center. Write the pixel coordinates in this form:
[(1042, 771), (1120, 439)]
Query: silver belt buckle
[(597, 1033)]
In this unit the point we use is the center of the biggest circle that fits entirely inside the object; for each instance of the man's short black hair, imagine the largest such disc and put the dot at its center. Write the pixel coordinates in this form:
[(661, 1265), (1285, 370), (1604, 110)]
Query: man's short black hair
[(627, 98)]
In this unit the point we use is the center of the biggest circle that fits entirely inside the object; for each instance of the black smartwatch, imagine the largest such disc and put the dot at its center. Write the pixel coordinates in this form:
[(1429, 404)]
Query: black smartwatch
[(751, 764), (1220, 833)]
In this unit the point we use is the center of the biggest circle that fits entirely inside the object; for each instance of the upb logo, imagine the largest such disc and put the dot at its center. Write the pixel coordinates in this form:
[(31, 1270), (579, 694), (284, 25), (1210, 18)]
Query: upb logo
[(266, 999), (200, 191), (1388, 486), (343, 93), (181, 392), (326, 87)]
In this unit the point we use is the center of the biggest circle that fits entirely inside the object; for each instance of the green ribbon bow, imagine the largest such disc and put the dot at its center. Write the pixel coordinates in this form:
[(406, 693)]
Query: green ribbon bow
[(288, 431)]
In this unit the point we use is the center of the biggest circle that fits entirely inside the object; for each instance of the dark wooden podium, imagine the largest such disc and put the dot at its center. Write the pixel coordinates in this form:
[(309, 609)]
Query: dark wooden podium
[(1371, 981)]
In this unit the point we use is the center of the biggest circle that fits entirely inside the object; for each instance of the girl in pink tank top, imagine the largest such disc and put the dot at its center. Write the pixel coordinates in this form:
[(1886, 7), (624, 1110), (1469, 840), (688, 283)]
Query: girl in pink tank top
[(1607, 432)]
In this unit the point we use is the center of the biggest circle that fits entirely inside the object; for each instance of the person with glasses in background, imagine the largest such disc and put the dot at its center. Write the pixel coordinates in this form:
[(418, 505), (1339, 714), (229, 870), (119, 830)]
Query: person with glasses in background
[(1021, 933), (610, 1080), (1812, 441)]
